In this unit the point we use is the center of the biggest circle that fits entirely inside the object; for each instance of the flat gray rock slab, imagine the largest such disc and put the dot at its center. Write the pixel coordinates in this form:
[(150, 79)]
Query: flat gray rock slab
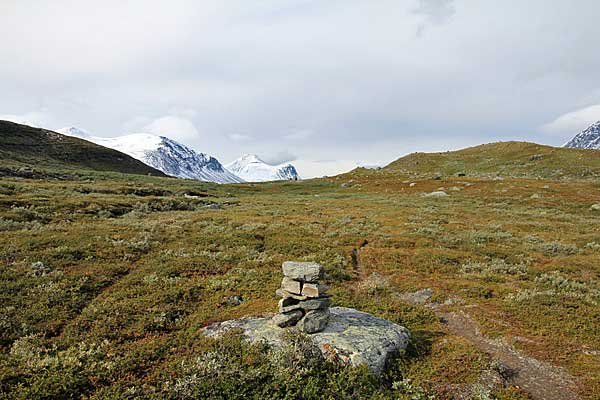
[(302, 271), (356, 337)]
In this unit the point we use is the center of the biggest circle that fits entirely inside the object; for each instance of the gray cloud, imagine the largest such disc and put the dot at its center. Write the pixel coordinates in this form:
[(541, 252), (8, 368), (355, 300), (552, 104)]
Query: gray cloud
[(343, 80), (279, 157), (435, 11)]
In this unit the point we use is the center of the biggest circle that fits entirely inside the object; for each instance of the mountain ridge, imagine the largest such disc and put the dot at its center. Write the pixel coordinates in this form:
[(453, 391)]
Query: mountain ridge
[(589, 138), (164, 154)]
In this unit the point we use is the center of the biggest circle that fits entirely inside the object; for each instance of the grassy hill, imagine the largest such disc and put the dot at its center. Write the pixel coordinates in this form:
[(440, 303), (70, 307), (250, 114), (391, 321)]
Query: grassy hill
[(22, 145), (505, 159)]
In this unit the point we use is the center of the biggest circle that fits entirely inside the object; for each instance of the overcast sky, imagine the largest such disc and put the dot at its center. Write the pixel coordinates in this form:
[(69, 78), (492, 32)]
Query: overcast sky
[(324, 84)]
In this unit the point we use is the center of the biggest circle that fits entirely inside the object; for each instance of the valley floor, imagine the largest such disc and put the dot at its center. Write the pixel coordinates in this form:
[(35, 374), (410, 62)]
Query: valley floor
[(107, 280)]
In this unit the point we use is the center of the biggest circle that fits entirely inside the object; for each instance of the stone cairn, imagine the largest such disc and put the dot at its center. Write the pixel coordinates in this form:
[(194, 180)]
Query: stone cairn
[(304, 301)]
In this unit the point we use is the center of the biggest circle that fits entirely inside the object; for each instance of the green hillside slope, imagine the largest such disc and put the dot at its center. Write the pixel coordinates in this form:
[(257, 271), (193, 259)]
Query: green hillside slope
[(506, 159), (39, 148)]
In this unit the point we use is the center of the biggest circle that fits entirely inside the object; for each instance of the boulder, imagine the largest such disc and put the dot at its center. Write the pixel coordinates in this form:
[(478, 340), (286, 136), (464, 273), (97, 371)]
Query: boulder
[(302, 271), (351, 337)]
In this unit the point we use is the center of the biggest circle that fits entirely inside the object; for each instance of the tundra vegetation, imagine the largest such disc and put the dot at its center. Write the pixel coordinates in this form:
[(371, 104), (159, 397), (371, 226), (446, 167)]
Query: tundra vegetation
[(106, 281)]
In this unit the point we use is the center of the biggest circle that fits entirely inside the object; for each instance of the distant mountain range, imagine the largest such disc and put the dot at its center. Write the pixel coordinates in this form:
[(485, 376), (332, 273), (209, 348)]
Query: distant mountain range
[(251, 168), (588, 139), (178, 160), (164, 154)]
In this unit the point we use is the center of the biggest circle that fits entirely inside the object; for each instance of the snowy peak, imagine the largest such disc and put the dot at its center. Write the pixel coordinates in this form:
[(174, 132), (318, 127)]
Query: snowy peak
[(250, 158), (251, 168), (588, 139), (75, 132), (164, 154)]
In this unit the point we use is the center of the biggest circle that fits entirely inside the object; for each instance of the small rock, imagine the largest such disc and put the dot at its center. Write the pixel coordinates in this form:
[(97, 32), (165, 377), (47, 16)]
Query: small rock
[(283, 320), (213, 206), (285, 294), (412, 184), (314, 321), (302, 271), (595, 207), (310, 304), (438, 193), (374, 283), (235, 300), (291, 285), (38, 268), (287, 302), (314, 290), (437, 176), (535, 196), (418, 297), (453, 300)]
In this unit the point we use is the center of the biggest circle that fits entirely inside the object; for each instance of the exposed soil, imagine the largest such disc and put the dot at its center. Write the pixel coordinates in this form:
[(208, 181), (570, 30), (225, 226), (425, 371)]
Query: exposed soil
[(541, 380)]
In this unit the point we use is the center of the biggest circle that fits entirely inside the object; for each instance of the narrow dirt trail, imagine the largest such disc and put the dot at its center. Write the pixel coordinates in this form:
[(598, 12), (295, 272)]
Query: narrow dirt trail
[(356, 260), (541, 380)]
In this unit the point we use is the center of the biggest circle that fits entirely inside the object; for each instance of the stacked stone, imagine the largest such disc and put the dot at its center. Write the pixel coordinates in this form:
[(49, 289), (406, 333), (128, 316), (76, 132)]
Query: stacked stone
[(304, 301)]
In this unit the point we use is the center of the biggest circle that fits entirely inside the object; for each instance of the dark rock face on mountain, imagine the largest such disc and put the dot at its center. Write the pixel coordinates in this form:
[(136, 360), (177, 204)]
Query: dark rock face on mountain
[(588, 139), (178, 160)]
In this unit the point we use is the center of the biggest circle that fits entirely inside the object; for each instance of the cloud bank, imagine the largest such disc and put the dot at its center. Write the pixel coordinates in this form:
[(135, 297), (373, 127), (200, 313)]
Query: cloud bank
[(574, 121), (365, 82)]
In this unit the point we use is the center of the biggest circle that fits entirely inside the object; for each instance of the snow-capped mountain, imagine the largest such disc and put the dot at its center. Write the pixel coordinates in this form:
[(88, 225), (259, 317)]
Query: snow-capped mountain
[(252, 169), (588, 139), (164, 154)]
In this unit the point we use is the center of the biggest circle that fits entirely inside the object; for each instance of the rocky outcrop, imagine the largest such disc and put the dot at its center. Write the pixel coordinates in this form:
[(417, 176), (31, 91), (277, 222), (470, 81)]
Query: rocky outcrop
[(351, 337)]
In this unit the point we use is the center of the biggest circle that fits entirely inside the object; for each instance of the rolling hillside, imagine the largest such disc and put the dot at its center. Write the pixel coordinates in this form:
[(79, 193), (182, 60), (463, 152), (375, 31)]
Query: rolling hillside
[(505, 159), (22, 145)]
